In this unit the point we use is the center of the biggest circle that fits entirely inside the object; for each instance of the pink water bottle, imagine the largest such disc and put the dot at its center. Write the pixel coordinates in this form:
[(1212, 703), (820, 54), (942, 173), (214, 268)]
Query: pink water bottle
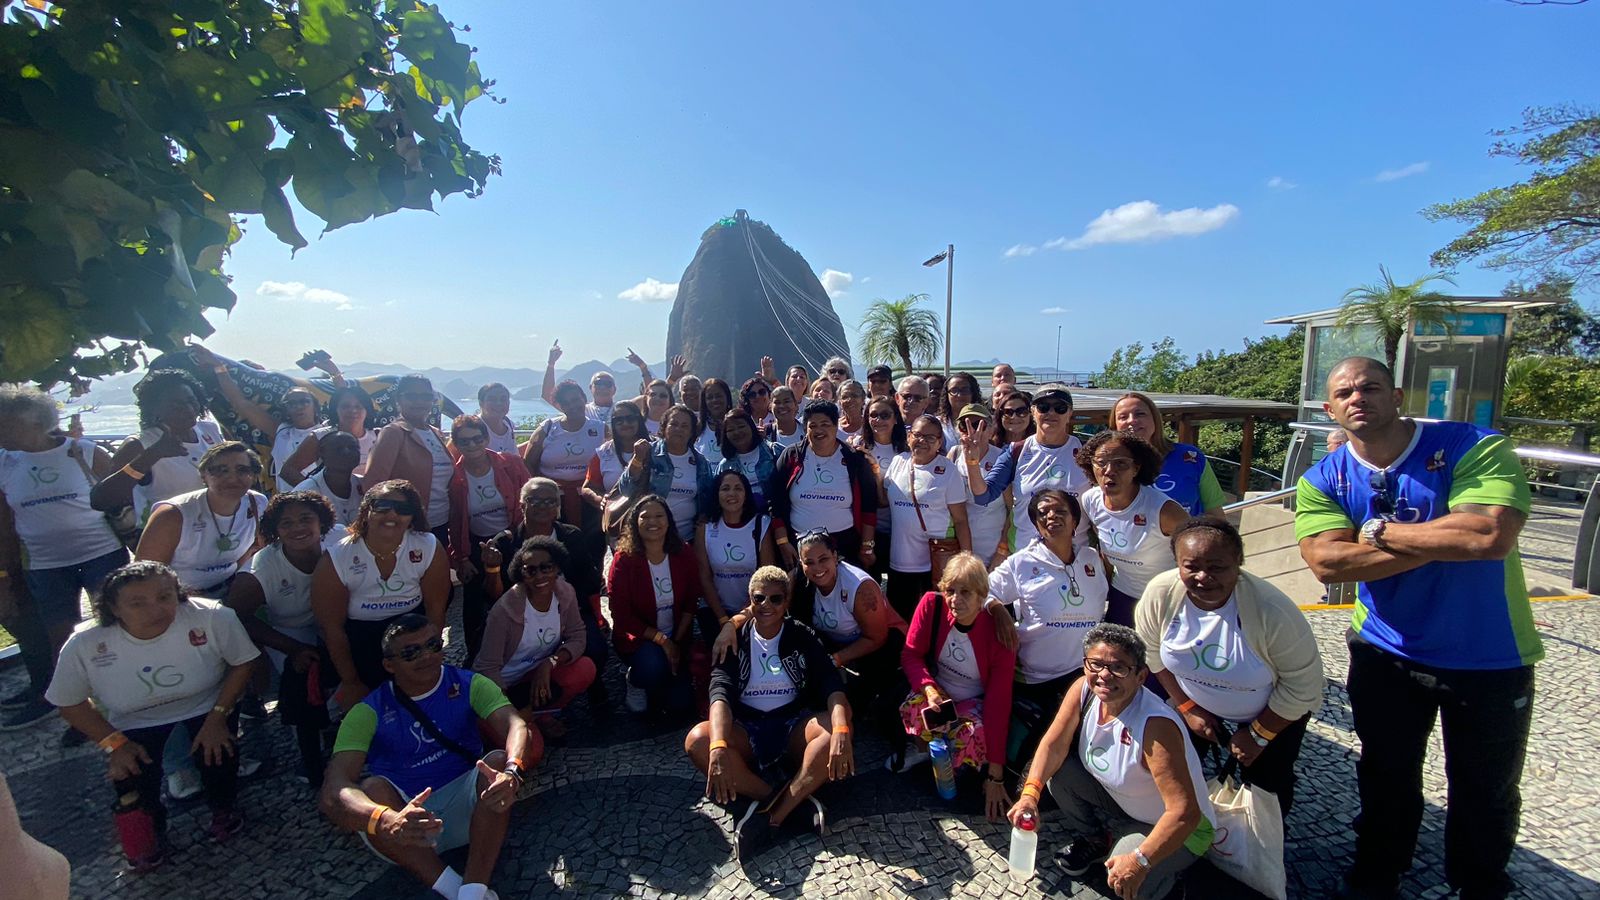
[(136, 830)]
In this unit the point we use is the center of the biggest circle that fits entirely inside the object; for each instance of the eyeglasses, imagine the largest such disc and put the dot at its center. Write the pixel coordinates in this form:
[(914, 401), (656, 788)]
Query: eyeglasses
[(921, 436), (542, 502), (1014, 411), (399, 507), (961, 389), (881, 416), (544, 568), (472, 441), (773, 599), (1382, 497), (913, 396), (1099, 667), (1115, 464), (1060, 407), (414, 652), (243, 471), (757, 392)]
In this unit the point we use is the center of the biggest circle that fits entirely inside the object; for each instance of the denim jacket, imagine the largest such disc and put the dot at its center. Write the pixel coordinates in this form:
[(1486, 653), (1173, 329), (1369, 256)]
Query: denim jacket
[(660, 482)]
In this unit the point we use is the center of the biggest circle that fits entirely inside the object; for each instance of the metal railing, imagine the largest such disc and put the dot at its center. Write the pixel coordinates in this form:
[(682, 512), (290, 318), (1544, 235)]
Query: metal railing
[(1277, 496)]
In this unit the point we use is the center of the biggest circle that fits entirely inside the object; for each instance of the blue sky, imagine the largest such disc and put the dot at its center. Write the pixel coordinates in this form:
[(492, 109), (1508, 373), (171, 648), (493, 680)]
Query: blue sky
[(1161, 169)]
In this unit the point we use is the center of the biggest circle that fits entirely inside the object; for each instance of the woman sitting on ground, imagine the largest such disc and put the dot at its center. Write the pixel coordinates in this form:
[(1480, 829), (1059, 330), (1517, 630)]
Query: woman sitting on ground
[(206, 535), (654, 586), (1117, 763), (764, 698), (1132, 519), (336, 479), (156, 660), (273, 600), (349, 411), (1231, 648), (534, 642), (953, 656)]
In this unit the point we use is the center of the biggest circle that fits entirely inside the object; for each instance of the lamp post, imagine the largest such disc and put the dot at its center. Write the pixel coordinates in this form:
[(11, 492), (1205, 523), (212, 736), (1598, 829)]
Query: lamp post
[(948, 257)]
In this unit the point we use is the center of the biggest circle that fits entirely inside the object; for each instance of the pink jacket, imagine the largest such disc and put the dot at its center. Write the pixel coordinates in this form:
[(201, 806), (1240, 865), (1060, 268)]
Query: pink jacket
[(996, 665), (502, 632)]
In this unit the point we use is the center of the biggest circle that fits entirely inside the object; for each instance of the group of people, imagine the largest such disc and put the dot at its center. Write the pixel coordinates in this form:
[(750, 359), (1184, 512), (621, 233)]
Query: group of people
[(782, 561)]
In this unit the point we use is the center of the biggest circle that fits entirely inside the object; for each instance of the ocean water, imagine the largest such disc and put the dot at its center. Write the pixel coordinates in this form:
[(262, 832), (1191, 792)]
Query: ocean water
[(120, 420)]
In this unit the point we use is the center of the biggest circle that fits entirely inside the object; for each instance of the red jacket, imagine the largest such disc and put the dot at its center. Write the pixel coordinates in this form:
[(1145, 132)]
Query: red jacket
[(509, 474), (633, 597), (996, 665)]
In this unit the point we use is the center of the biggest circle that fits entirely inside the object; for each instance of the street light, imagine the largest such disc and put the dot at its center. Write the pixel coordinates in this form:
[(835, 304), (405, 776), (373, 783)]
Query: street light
[(948, 257)]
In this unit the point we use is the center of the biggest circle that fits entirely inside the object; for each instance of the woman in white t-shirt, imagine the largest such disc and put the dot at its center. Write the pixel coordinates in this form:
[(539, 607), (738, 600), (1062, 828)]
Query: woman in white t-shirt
[(156, 660), (349, 410), (926, 499), (1233, 653), (1131, 517), (560, 448), (785, 429), (852, 410), (335, 477), (162, 460), (611, 458), (494, 406), (716, 400), (744, 451), (1117, 762), (1045, 459), (729, 548), (385, 567), (206, 535), (989, 524), (273, 600), (882, 439)]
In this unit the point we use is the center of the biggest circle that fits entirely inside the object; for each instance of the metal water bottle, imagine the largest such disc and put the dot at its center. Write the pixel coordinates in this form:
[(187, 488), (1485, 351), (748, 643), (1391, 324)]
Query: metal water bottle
[(944, 775)]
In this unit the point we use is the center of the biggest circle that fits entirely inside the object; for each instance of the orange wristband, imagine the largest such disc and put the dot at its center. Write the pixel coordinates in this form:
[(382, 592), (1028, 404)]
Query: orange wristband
[(372, 820), (841, 729), (1187, 705), (719, 744), (113, 742), (1031, 790)]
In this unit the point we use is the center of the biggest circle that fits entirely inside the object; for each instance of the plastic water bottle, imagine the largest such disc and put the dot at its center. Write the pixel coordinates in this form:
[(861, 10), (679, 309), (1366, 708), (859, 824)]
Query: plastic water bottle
[(944, 775), (1024, 847), (136, 830)]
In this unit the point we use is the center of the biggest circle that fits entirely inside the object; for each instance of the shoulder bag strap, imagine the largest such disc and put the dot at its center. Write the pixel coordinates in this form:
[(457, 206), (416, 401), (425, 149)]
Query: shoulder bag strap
[(76, 452), (430, 727), (914, 504)]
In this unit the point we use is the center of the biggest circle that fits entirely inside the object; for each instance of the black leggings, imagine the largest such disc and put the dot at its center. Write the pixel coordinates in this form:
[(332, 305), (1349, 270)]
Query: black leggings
[(220, 781)]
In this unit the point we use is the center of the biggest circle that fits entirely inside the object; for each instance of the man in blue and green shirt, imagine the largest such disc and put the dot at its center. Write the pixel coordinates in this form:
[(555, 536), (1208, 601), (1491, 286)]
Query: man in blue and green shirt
[(1426, 517)]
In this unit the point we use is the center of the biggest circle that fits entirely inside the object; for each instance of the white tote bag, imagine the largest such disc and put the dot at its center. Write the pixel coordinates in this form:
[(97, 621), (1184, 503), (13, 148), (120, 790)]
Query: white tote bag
[(1249, 834)]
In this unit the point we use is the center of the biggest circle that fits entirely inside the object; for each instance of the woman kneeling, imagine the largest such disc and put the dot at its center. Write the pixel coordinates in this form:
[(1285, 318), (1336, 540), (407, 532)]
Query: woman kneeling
[(762, 697), (1117, 762)]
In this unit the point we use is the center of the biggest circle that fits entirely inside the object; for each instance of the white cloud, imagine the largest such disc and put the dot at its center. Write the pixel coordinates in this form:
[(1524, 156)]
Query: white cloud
[(1416, 168), (866, 278), (650, 291), (1054, 311), (835, 282), (349, 331), (1280, 183), (1143, 220), (297, 290), (1017, 250)]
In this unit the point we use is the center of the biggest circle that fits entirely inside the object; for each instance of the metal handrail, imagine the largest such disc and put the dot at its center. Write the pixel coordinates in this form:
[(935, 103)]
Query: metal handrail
[(1269, 497)]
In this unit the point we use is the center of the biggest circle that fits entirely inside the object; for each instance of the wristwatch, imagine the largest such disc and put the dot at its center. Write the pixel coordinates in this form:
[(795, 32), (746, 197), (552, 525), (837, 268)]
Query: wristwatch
[(1141, 859), (1260, 741), (1372, 532)]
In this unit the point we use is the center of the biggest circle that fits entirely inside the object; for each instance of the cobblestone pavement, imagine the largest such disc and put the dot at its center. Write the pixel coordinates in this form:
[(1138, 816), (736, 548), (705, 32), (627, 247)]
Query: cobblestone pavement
[(617, 811)]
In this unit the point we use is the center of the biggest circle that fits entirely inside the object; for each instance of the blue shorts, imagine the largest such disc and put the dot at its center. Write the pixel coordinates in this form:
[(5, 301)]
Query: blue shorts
[(770, 734), (452, 802)]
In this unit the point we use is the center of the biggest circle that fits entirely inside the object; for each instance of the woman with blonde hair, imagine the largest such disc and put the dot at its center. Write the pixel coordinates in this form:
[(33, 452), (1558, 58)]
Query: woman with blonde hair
[(1186, 475)]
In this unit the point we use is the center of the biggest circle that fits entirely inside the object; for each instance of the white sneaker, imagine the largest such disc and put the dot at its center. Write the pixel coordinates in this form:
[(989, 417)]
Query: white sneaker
[(184, 784), (636, 699)]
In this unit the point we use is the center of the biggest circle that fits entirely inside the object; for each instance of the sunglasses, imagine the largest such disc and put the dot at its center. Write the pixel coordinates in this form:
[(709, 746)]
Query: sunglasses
[(400, 507), (414, 652), (757, 392), (1383, 498), (544, 568), (773, 599), (542, 502), (1014, 411), (472, 441), (605, 384), (220, 471), (1060, 407), (880, 416)]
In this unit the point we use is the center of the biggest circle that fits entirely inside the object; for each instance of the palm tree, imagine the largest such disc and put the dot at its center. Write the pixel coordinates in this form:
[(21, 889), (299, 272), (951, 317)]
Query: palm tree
[(1395, 308), (900, 330)]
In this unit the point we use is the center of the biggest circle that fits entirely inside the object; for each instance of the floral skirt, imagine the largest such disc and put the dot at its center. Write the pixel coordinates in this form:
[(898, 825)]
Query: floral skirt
[(964, 736)]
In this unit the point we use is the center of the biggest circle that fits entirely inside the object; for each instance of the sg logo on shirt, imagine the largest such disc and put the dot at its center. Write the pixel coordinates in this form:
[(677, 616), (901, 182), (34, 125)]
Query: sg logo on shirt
[(43, 475), (822, 476), (163, 677), (1210, 656), (732, 553)]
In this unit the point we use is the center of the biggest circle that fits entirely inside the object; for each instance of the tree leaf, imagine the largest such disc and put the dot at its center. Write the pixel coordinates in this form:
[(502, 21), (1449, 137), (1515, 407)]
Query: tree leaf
[(279, 218)]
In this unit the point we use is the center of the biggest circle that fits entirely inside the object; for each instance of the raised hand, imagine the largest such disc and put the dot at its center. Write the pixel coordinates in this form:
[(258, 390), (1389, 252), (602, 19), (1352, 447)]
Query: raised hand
[(637, 361), (675, 370), (555, 351)]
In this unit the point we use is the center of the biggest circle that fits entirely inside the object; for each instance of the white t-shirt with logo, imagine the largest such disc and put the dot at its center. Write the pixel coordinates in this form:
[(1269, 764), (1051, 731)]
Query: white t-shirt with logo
[(1131, 538), (374, 598), (788, 440), (683, 496), (661, 581), (821, 496), (834, 613), (1056, 604), (734, 555), (444, 467), (958, 674), (48, 493), (486, 509), (1209, 656), (1043, 467), (749, 462), (210, 545), (1113, 752), (344, 508), (288, 595), (612, 465), (541, 638), (565, 454), (770, 686), (938, 486), (287, 440), (174, 475), (143, 683), (709, 446), (501, 443), (987, 523)]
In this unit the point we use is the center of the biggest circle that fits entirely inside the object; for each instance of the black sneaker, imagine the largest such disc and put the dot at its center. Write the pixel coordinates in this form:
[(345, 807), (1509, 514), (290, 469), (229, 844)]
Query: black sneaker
[(23, 716), (251, 707), (753, 832), (19, 698), (1359, 885), (1081, 856)]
